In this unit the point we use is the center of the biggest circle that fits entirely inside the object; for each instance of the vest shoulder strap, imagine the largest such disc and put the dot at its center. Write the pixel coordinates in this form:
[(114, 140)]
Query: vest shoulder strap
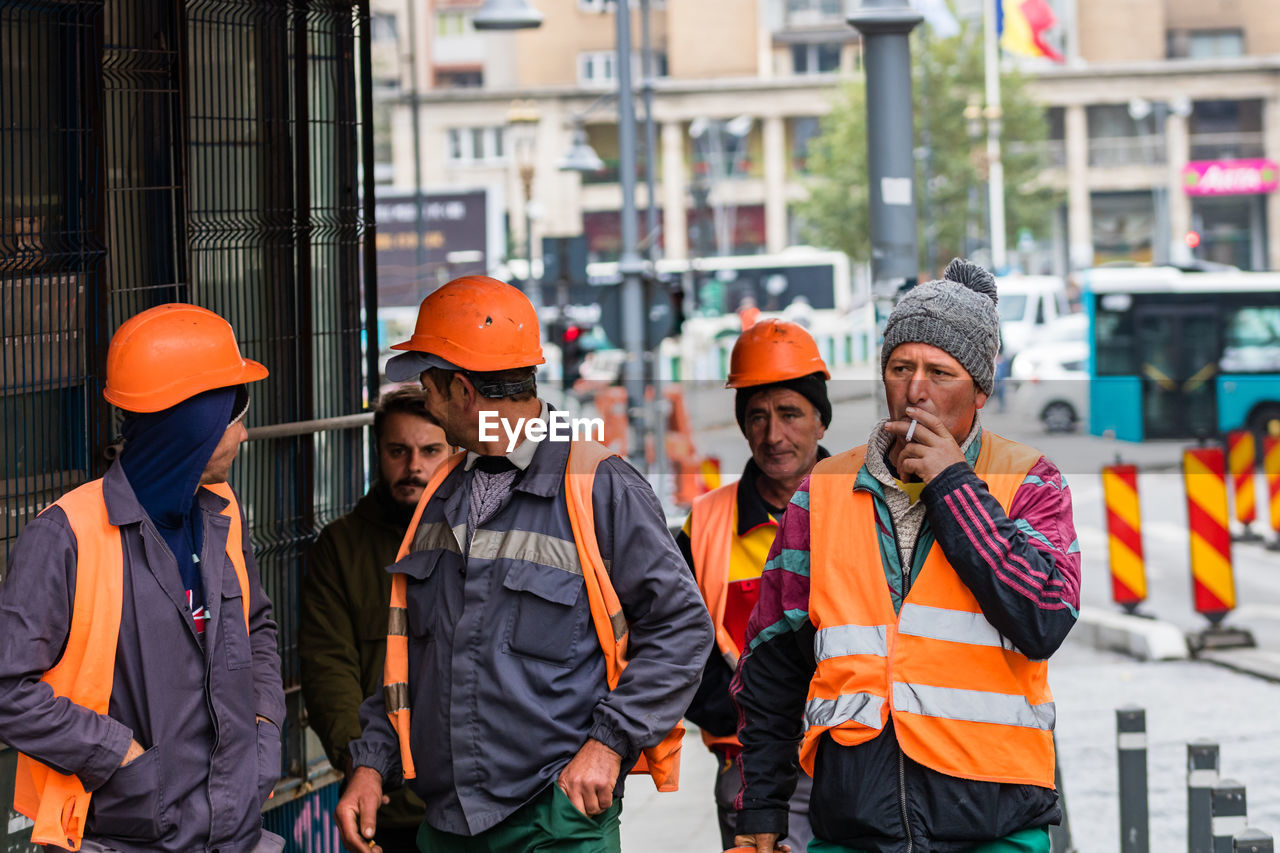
[(235, 542), (711, 532), (1003, 465)]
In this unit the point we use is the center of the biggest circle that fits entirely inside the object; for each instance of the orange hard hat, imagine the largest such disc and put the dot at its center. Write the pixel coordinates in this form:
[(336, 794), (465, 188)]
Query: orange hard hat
[(476, 323), (172, 352), (773, 351)]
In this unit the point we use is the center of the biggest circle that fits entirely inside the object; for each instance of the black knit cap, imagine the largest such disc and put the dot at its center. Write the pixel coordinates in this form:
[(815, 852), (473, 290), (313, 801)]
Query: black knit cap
[(812, 387)]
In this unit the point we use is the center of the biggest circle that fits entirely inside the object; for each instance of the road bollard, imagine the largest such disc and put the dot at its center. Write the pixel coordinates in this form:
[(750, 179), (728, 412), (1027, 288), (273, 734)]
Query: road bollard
[(1228, 814), (1271, 470), (1202, 775), (1131, 755), (1242, 460), (1124, 535), (1253, 841)]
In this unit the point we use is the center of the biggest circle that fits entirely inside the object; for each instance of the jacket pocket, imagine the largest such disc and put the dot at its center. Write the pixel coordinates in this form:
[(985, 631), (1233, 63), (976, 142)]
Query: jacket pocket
[(234, 636), (418, 568), (130, 805), (542, 621), (268, 758)]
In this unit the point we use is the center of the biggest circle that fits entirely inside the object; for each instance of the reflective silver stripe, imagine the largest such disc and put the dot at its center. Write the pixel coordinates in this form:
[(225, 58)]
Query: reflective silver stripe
[(396, 696), (619, 623), (977, 706), (432, 535), (526, 545), (1131, 740), (862, 708), (953, 626), (1228, 826), (1203, 778), (842, 640), (398, 622)]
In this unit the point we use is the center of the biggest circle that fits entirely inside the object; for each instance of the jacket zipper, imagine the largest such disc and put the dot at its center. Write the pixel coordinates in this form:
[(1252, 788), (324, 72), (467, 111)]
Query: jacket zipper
[(905, 570), (902, 799)]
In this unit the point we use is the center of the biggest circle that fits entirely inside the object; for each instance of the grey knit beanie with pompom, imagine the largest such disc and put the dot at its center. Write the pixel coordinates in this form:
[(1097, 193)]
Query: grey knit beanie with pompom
[(957, 314)]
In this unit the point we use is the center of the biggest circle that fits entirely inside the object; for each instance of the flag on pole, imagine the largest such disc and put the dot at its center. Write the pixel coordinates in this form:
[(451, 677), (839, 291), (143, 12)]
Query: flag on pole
[(1021, 25)]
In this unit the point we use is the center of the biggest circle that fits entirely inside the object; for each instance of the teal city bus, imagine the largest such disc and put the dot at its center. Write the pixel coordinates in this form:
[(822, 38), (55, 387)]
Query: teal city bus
[(1178, 354)]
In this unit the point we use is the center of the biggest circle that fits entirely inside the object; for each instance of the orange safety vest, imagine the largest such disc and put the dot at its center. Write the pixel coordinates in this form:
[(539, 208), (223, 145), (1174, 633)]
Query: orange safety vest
[(711, 529), (57, 802), (964, 701), (661, 762)]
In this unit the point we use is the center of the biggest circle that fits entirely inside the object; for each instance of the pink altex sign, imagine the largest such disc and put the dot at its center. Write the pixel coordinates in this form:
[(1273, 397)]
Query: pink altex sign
[(1230, 177)]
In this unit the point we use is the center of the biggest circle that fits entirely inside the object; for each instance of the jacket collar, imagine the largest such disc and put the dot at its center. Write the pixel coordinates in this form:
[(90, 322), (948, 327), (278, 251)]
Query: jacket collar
[(752, 510), (122, 504)]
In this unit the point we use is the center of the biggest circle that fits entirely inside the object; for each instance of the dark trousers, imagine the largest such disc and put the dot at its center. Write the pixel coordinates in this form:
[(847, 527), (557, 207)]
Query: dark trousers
[(729, 784)]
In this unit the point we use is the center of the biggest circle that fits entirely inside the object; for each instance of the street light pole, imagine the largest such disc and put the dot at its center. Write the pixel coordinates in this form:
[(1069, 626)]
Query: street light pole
[(629, 264), (995, 119), (651, 222), (885, 26)]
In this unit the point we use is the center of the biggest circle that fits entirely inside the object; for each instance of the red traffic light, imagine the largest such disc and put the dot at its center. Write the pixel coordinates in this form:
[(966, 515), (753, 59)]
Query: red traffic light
[(572, 333), (1192, 239)]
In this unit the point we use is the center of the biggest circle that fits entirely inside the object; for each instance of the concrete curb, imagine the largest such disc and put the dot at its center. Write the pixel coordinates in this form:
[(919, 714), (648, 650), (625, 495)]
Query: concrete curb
[(1144, 639)]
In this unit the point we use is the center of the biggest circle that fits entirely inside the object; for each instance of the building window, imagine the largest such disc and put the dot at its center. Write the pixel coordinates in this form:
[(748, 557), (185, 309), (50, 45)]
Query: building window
[(475, 144), (804, 130), (472, 78), (822, 58), (383, 27), (1226, 130), (601, 6), (1204, 44), (596, 67), (808, 12), (453, 24)]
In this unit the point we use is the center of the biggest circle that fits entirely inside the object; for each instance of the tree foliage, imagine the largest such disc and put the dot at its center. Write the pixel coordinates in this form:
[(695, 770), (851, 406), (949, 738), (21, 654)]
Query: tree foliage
[(946, 75)]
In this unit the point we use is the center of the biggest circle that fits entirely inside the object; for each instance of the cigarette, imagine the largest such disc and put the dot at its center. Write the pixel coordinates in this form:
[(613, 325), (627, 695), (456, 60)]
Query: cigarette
[(911, 430)]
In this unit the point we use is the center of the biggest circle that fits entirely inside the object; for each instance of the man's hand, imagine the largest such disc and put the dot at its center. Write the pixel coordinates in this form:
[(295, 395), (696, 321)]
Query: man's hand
[(589, 779), (357, 811), (932, 448), (135, 749), (761, 842)]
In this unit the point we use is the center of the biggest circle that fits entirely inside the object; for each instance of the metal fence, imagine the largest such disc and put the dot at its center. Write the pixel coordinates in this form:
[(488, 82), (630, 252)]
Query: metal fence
[(204, 151)]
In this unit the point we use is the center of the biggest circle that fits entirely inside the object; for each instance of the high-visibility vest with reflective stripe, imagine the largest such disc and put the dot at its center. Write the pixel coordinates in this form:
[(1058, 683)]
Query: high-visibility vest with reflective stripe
[(662, 761), (964, 701), (57, 802), (714, 517)]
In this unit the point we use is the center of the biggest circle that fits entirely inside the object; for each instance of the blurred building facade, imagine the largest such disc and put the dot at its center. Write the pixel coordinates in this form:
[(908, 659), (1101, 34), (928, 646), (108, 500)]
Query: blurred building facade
[(1165, 131), (1154, 93)]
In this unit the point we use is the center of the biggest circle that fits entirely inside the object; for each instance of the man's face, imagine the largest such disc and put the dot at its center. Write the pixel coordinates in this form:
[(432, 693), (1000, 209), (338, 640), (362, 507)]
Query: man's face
[(447, 407), (219, 464), (928, 378), (783, 430), (409, 450)]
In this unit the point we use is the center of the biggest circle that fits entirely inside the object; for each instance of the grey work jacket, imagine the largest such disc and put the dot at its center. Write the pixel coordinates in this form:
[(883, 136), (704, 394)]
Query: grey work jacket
[(506, 674), (208, 766)]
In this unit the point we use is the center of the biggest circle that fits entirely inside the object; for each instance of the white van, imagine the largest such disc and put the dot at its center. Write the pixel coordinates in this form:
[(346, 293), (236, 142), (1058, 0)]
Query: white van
[(1027, 304)]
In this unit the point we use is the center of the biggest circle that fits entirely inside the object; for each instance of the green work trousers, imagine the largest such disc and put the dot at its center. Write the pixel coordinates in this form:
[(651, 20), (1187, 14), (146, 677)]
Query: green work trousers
[(548, 823), (1023, 841)]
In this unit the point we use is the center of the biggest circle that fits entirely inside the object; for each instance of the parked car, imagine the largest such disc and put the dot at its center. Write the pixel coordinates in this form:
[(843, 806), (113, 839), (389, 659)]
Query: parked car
[(1028, 305), (1052, 375)]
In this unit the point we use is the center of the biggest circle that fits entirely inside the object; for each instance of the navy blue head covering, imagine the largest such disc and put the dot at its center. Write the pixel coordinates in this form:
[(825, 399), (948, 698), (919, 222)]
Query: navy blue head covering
[(165, 454)]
